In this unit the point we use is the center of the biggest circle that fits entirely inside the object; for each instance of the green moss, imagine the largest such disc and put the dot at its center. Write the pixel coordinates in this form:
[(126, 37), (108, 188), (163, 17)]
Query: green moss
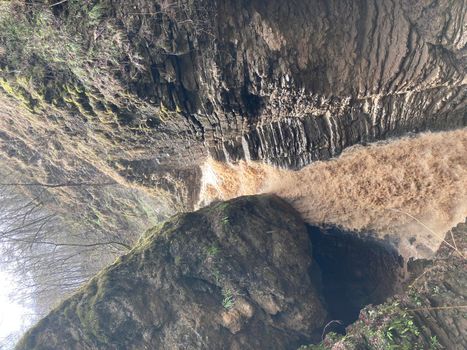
[(55, 53), (212, 251), (18, 93), (178, 260)]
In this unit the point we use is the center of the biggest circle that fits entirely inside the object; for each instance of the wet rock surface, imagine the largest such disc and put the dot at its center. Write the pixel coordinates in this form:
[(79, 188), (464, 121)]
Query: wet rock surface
[(285, 82), (233, 275), (355, 271), (430, 313)]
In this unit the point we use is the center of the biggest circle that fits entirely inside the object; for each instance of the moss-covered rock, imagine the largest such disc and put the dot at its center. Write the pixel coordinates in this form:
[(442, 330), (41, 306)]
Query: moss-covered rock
[(231, 276)]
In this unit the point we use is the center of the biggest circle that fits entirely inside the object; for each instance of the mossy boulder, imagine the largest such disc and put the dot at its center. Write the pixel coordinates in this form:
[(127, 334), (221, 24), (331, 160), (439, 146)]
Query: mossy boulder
[(233, 275)]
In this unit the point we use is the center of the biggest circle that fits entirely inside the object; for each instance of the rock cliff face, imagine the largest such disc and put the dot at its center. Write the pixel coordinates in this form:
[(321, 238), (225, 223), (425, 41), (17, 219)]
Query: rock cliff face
[(231, 276), (287, 83), (313, 77), (293, 82)]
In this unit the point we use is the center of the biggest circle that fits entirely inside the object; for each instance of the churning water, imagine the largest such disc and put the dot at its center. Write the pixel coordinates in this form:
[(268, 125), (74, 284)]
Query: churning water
[(410, 191)]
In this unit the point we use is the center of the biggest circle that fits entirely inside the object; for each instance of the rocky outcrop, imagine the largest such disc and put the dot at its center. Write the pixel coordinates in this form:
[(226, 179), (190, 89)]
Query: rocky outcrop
[(292, 83), (429, 314), (287, 83), (233, 275)]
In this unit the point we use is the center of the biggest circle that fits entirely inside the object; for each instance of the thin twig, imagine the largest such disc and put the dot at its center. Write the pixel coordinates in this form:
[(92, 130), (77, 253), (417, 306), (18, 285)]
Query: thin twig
[(439, 308), (58, 3), (328, 324), (453, 240), (430, 230), (85, 245), (423, 274)]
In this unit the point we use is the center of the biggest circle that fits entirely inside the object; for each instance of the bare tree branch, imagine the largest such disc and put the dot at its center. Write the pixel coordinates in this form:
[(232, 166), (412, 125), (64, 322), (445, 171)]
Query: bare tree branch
[(65, 184), (126, 246)]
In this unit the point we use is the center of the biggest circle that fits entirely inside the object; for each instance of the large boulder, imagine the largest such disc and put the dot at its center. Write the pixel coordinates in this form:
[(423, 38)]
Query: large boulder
[(234, 275)]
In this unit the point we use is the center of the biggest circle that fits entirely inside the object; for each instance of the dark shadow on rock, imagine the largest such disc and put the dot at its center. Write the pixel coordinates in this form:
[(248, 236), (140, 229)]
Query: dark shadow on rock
[(355, 271)]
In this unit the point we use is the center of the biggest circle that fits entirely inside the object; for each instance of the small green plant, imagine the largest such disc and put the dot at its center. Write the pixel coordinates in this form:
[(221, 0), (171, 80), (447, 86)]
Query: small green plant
[(416, 299), (212, 250), (225, 221), (401, 327), (434, 343), (95, 14), (212, 263), (229, 299)]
